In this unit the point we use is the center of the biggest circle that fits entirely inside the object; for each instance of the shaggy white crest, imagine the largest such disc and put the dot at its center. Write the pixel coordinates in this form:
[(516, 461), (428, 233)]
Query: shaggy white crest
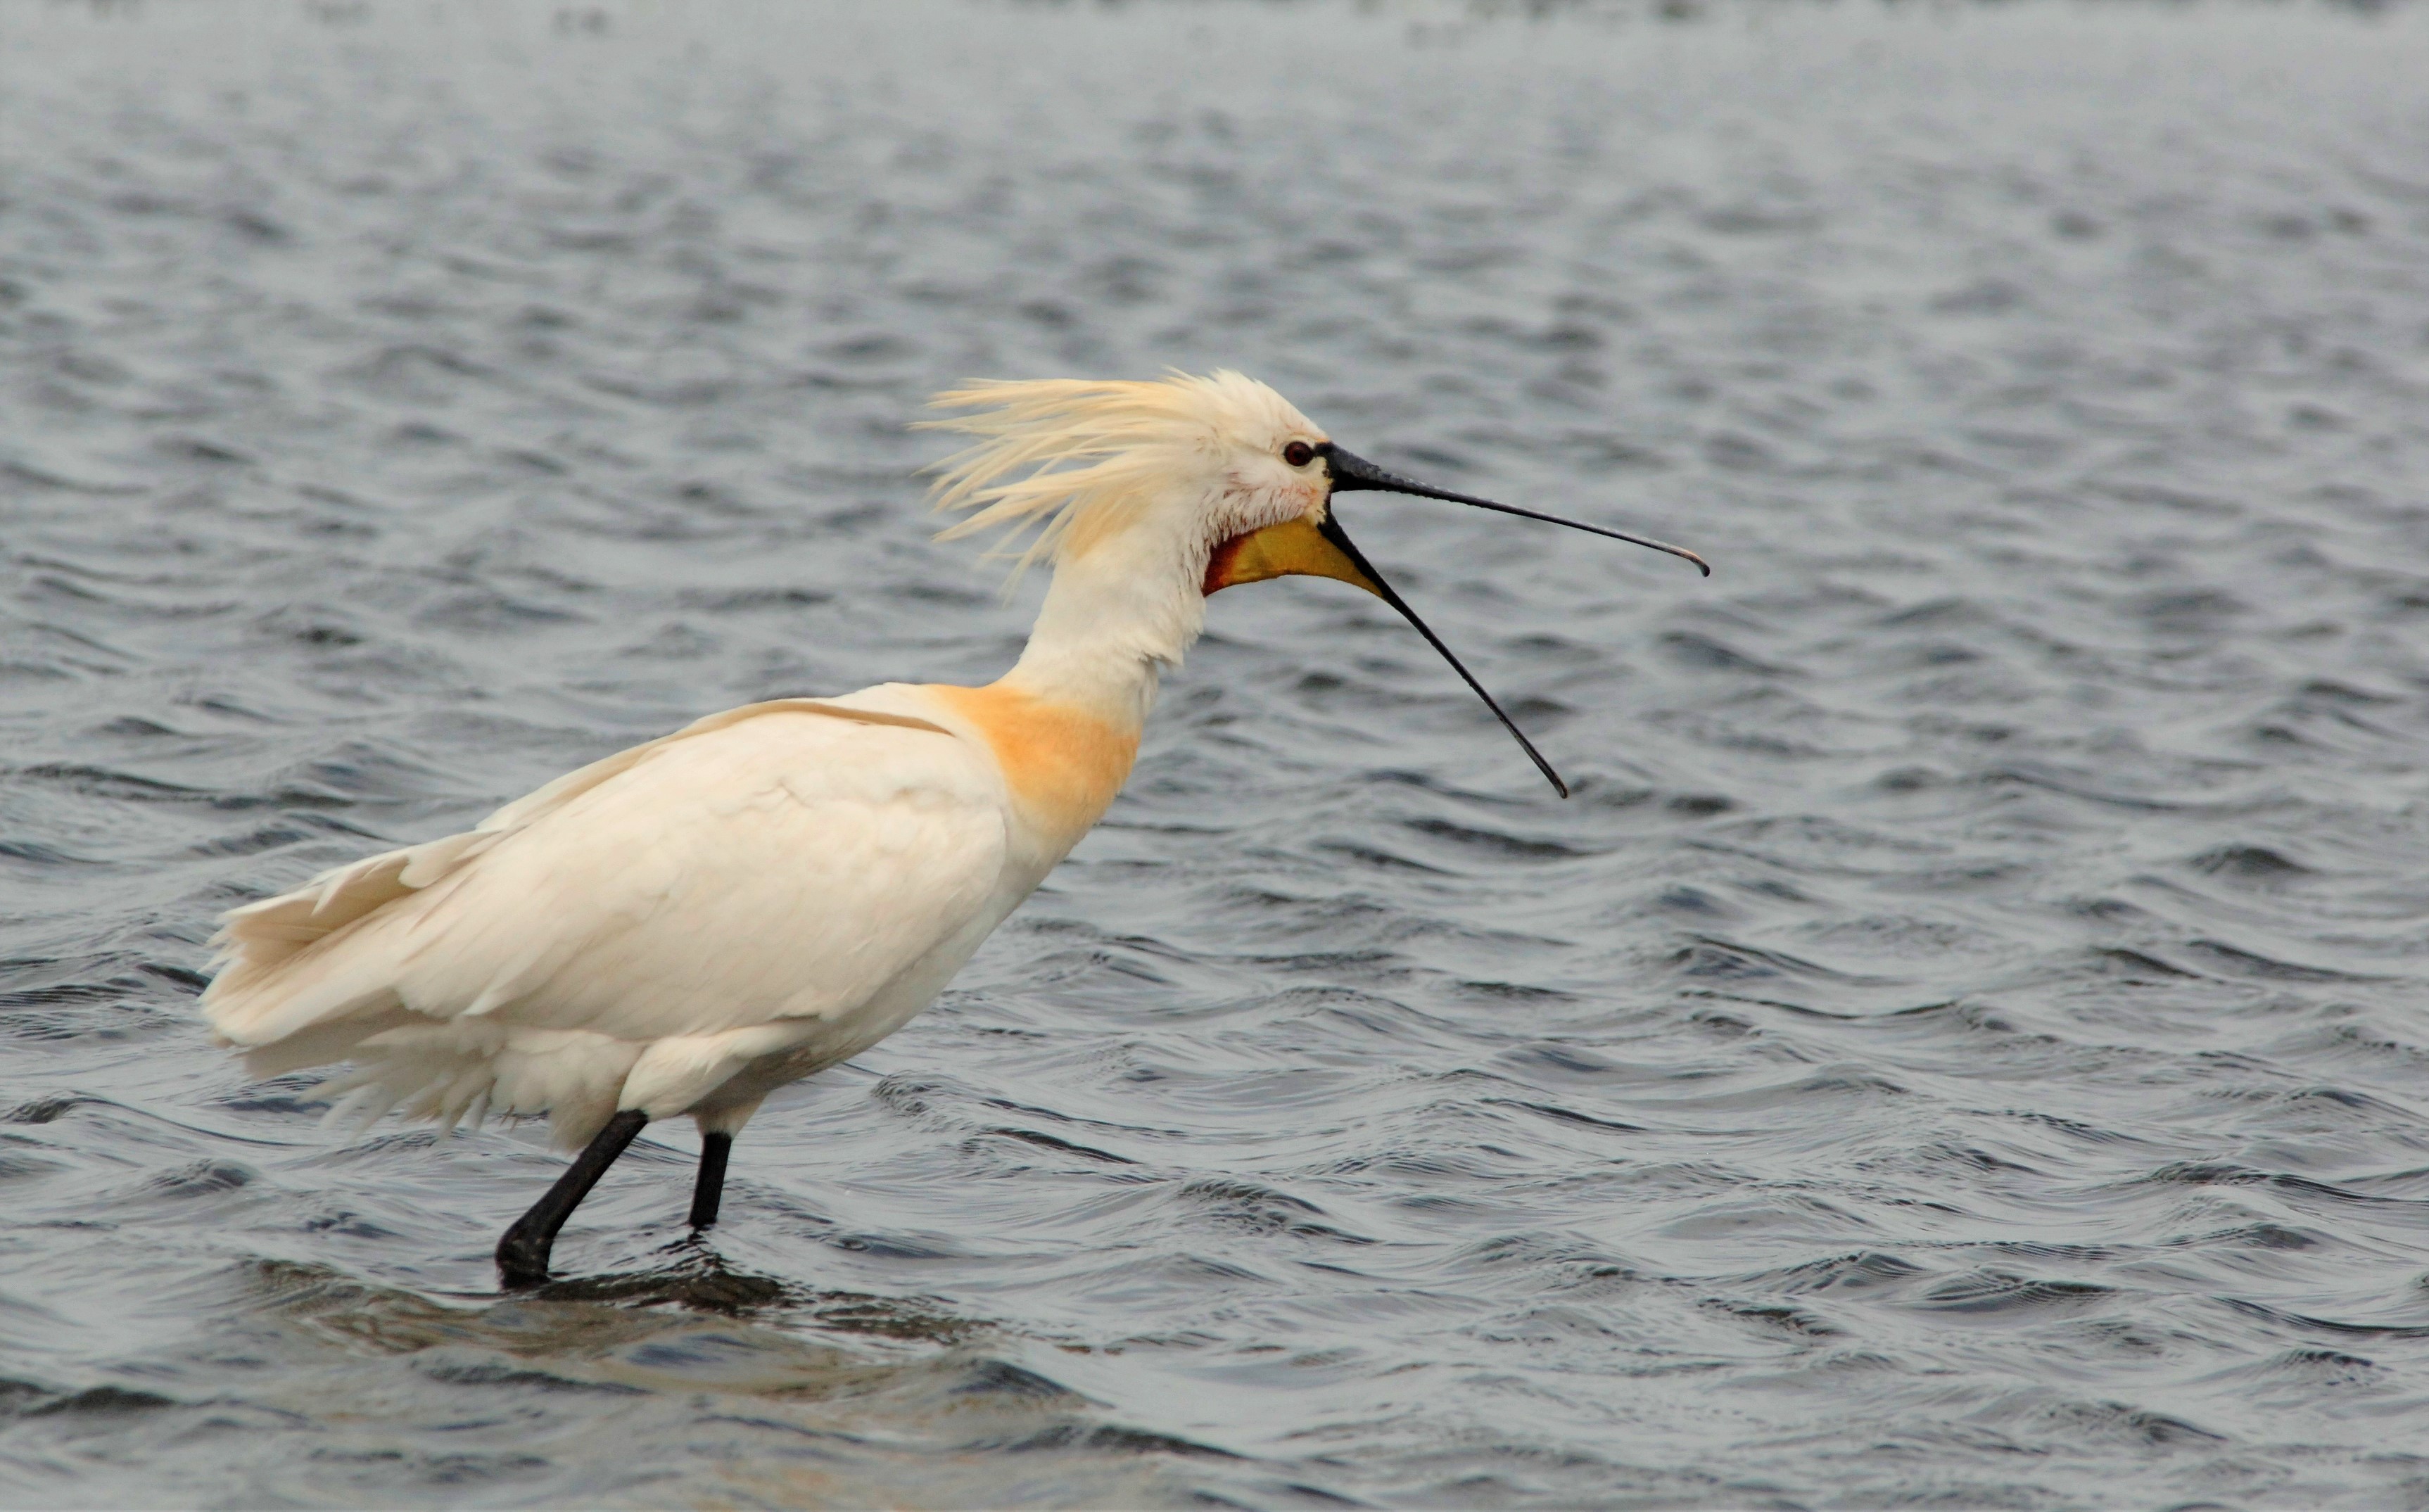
[(1095, 452)]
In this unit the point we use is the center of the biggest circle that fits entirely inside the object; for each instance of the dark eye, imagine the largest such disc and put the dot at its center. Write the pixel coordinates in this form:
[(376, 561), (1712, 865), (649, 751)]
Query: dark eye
[(1298, 453)]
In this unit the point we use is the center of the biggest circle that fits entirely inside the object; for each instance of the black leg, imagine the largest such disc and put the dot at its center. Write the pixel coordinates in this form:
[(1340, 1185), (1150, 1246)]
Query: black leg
[(522, 1254), (714, 1148)]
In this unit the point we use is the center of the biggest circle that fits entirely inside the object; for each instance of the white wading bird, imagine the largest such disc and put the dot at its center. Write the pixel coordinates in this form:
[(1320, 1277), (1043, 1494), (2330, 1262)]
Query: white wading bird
[(686, 925)]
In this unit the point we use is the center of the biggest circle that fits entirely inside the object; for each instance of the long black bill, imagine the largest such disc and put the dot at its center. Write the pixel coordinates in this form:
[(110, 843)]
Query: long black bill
[(1351, 471), (1331, 532)]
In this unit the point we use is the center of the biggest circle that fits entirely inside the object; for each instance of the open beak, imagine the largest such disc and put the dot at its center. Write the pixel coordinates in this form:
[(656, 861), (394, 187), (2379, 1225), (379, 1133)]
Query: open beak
[(1320, 548)]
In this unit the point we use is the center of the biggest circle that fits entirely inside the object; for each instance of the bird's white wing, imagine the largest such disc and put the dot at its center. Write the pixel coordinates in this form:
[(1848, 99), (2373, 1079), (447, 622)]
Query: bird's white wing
[(782, 861)]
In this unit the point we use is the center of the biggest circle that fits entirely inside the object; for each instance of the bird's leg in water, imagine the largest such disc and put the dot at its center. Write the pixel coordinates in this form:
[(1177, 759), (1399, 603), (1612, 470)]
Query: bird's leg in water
[(522, 1254), (714, 1148)]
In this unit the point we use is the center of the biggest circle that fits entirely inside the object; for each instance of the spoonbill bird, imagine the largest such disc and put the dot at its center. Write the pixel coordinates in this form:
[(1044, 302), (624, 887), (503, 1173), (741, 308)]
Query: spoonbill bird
[(688, 925)]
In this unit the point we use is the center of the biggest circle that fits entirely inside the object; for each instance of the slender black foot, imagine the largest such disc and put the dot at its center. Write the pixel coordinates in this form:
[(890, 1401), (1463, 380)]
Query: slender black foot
[(522, 1254), (714, 1148)]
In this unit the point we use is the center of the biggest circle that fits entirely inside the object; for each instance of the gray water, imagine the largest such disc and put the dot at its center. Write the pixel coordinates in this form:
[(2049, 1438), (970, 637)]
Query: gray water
[(1962, 1046)]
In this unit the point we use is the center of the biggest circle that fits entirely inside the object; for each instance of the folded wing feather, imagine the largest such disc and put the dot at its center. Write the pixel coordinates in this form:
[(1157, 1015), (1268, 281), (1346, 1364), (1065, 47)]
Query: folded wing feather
[(778, 862)]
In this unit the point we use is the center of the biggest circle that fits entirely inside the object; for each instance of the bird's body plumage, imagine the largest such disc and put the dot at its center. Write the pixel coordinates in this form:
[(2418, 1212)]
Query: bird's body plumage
[(783, 883)]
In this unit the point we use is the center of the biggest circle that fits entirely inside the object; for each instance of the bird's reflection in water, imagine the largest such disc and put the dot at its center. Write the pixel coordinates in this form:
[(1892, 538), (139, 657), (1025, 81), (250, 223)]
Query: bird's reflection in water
[(744, 1388), (693, 1276), (690, 1321), (696, 1278)]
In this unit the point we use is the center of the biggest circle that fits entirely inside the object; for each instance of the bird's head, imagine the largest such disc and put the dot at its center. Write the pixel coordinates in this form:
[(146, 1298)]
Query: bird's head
[(1199, 484)]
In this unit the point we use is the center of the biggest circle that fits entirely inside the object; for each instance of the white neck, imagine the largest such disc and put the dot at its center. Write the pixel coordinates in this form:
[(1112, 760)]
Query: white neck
[(1116, 615)]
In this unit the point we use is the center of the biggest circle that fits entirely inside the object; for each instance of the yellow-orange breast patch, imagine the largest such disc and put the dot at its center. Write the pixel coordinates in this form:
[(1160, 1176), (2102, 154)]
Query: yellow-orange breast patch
[(1063, 764)]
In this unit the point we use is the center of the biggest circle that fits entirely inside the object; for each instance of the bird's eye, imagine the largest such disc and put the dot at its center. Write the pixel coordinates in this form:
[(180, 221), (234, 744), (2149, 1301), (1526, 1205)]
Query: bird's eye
[(1298, 453)]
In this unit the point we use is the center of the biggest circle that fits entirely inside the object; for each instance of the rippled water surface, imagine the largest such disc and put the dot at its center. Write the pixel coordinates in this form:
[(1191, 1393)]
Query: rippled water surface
[(1963, 1044)]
